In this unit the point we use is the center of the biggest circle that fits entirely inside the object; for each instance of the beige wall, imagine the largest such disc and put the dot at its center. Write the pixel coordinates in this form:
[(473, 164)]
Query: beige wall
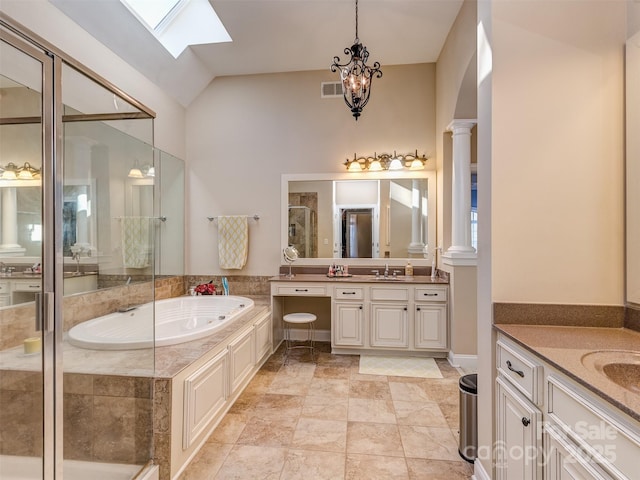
[(458, 51), (557, 153), (244, 132)]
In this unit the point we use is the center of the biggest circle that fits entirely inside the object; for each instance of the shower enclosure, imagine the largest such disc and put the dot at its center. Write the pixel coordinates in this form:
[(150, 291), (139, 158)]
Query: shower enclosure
[(79, 212)]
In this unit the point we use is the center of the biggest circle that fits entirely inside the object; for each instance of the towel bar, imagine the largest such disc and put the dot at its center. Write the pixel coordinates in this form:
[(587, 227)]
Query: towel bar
[(256, 217)]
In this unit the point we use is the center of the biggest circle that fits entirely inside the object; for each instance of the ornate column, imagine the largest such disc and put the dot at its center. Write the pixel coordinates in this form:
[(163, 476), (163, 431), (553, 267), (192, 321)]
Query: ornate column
[(9, 245), (416, 247), (461, 252)]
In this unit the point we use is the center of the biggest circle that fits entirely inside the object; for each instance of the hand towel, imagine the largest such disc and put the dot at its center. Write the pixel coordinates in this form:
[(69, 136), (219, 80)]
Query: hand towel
[(233, 241), (136, 242)]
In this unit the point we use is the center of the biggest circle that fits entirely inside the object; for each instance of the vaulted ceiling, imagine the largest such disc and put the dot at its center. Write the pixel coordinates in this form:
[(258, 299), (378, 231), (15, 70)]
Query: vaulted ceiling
[(272, 36)]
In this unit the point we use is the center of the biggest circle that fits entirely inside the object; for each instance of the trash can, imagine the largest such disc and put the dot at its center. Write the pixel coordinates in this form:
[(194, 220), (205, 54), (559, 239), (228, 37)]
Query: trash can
[(468, 444)]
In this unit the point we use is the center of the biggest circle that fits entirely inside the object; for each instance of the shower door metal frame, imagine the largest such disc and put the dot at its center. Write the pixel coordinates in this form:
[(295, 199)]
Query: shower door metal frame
[(49, 306)]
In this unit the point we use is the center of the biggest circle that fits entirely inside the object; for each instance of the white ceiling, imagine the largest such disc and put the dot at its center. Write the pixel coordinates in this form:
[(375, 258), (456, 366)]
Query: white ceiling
[(272, 36)]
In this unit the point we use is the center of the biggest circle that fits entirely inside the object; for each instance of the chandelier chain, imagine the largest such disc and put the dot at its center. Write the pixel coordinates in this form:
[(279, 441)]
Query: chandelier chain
[(357, 37)]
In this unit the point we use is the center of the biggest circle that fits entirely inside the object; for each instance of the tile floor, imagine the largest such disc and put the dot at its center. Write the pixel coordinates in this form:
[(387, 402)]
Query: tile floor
[(326, 421)]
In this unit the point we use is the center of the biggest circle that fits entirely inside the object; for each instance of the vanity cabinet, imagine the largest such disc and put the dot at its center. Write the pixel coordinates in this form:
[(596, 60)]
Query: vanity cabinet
[(381, 315), (548, 426), (430, 325), (5, 293)]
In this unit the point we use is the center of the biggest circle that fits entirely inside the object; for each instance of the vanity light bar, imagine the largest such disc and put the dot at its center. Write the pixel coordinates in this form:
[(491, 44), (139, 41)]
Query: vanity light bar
[(385, 161)]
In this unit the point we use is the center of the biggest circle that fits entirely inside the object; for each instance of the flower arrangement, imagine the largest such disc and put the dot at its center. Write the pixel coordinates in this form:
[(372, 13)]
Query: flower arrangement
[(206, 289)]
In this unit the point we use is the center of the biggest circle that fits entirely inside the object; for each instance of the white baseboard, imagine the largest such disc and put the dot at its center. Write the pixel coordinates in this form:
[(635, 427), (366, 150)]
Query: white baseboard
[(299, 334), (479, 473), (468, 363)]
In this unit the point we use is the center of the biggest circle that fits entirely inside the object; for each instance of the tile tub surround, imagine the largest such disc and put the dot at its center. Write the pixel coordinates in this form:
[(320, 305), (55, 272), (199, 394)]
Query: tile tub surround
[(632, 317), (238, 284), (563, 348), (326, 421), (106, 418)]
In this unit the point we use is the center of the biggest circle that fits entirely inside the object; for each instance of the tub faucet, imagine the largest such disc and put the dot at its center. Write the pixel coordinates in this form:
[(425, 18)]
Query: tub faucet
[(386, 270)]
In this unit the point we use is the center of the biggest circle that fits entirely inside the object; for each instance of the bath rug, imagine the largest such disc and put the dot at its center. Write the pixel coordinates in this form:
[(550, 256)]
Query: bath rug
[(399, 366)]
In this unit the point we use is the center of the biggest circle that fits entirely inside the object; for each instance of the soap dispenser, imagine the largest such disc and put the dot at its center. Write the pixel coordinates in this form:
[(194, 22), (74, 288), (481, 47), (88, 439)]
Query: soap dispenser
[(408, 269)]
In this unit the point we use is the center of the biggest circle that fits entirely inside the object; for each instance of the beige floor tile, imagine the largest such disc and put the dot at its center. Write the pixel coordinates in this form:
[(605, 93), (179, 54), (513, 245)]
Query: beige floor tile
[(329, 387), (229, 428), (408, 391), (332, 371), (421, 469), (373, 390), (325, 408), (268, 432), (371, 411), (375, 467), (429, 442), (290, 385), (451, 412), (275, 406), (207, 462), (313, 465), (246, 462), (419, 413), (355, 376), (323, 435), (445, 390), (374, 439)]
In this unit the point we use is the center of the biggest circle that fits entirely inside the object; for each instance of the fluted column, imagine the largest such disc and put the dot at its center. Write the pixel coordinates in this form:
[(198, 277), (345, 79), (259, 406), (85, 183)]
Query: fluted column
[(461, 248)]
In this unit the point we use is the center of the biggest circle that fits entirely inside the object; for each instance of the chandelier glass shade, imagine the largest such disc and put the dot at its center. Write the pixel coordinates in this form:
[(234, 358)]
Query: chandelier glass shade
[(356, 75)]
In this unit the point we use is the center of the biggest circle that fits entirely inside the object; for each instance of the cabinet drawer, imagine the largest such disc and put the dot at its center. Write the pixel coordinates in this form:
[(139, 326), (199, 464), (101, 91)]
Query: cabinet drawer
[(524, 373), (614, 446), (4, 287), (349, 293), (317, 290), (389, 293), (26, 286), (430, 294)]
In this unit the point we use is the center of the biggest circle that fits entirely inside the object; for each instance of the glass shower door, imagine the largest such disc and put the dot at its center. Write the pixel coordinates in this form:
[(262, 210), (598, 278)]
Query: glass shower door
[(26, 337)]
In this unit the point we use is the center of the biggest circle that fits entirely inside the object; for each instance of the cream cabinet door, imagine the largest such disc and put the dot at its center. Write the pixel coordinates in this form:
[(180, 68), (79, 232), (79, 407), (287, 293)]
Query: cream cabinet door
[(519, 444), (242, 358), (389, 325), (348, 328), (430, 325), (565, 461)]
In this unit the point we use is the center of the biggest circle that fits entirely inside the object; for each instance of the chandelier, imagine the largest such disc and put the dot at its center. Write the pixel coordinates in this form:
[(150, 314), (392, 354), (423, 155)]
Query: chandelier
[(356, 75)]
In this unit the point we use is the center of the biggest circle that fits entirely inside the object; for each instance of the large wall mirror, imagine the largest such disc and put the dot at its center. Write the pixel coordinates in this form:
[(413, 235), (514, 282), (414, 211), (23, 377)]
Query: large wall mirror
[(123, 200), (359, 218)]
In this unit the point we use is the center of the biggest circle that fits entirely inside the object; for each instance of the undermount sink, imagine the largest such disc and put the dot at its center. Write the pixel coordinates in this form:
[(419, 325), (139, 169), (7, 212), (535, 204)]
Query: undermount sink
[(620, 366), (382, 278)]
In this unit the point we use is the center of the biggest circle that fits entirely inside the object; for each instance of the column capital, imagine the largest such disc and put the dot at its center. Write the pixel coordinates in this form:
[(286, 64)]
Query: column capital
[(460, 125)]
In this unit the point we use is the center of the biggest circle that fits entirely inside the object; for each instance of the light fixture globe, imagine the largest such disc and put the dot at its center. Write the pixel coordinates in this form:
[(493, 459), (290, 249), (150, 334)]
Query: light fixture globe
[(356, 75), (290, 255)]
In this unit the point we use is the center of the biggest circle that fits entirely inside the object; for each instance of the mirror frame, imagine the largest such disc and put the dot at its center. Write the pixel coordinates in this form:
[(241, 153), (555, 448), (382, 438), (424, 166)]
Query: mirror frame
[(429, 174)]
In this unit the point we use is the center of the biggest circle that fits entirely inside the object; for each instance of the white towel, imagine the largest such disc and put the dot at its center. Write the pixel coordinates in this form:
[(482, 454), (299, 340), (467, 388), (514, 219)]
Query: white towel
[(233, 241), (136, 242)]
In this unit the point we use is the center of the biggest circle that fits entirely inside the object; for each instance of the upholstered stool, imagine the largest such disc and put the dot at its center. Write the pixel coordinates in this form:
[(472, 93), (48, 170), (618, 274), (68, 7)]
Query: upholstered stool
[(299, 319)]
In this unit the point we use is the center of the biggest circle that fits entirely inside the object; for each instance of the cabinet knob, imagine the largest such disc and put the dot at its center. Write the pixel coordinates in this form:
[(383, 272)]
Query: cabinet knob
[(360, 307), (418, 309), (525, 421), (405, 309)]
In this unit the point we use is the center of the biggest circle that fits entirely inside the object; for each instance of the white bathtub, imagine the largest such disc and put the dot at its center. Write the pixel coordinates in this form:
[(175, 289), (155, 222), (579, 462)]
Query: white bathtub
[(177, 320)]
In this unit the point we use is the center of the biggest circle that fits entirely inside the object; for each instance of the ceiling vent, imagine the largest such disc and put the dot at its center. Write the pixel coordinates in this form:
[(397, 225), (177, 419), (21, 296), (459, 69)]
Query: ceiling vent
[(331, 89)]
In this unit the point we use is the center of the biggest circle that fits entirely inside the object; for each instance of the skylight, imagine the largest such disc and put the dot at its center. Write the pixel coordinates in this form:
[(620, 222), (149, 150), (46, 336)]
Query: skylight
[(176, 24)]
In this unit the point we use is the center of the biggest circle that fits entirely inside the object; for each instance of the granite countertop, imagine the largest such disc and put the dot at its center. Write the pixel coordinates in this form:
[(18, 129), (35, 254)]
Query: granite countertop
[(38, 276), (564, 347), (316, 277)]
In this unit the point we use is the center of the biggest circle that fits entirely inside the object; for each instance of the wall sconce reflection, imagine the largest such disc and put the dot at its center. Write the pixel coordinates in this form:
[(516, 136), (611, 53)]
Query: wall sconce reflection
[(11, 171)]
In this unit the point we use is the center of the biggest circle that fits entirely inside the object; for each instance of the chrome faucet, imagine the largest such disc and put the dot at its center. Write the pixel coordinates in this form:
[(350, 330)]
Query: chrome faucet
[(386, 270)]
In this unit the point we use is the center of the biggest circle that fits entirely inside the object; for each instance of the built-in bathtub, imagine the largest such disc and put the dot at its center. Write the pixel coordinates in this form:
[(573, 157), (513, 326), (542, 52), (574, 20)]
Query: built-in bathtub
[(177, 320)]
